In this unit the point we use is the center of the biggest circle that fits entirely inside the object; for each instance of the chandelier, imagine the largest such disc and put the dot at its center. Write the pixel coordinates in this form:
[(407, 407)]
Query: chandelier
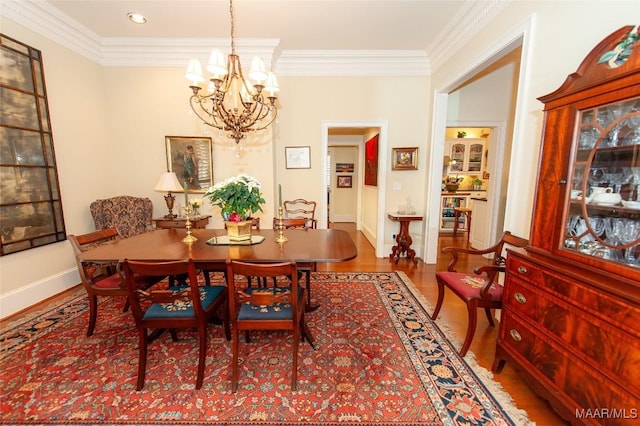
[(230, 102)]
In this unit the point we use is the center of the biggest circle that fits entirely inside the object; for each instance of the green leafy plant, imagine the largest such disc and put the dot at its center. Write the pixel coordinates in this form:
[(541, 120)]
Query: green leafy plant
[(240, 194), (477, 181)]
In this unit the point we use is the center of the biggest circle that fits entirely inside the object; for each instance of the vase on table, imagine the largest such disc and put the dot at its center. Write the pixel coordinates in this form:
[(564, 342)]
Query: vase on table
[(237, 230)]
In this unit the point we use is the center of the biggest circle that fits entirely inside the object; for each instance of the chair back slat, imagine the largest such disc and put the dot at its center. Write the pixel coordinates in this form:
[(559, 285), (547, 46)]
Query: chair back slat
[(300, 209)]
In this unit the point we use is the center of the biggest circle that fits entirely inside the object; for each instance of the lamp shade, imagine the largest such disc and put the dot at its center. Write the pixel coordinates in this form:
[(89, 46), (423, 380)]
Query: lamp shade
[(168, 183)]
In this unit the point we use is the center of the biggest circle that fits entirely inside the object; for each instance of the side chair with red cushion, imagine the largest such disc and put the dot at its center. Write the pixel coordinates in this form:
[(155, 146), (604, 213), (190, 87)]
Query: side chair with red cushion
[(102, 279), (178, 307), (479, 289)]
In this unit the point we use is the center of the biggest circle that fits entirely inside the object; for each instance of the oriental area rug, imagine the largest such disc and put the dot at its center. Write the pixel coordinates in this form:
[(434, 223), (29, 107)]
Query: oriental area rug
[(380, 360)]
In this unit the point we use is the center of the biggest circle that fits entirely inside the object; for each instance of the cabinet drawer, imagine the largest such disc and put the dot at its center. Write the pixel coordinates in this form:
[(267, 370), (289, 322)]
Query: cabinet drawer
[(521, 337), (586, 386), (614, 351), (597, 303)]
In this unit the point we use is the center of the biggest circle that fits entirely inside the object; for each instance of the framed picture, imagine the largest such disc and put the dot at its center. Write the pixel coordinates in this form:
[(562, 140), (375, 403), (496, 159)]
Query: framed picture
[(297, 157), (344, 167), (371, 161), (344, 181), (191, 159), (405, 158)]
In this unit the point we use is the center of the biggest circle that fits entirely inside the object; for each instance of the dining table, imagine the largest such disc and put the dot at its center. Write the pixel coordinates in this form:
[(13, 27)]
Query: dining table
[(213, 246)]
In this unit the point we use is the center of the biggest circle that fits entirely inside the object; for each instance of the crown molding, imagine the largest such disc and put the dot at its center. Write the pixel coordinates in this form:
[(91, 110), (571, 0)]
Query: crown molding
[(469, 20), (43, 19), (353, 63), (47, 21)]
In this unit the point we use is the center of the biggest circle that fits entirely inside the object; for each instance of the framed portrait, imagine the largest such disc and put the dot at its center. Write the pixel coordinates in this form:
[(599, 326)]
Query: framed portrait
[(297, 157), (191, 159), (371, 161), (344, 181), (405, 158)]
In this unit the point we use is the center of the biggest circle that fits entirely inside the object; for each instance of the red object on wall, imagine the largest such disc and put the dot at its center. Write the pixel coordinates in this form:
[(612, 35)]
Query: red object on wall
[(371, 161)]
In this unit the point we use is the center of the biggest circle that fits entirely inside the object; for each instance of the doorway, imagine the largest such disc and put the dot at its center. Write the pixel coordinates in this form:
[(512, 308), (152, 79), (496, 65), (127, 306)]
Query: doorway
[(370, 214), (448, 99)]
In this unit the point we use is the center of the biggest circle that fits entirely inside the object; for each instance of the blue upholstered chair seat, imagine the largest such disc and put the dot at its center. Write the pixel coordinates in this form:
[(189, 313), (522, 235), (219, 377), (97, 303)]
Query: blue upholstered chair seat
[(277, 311), (183, 308)]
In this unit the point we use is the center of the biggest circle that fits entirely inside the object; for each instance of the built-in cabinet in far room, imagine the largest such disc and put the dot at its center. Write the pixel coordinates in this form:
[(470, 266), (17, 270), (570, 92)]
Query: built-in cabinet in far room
[(571, 308), (467, 155)]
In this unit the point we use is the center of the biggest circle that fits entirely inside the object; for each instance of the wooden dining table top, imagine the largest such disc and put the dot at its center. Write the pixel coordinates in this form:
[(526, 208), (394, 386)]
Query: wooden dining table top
[(303, 245)]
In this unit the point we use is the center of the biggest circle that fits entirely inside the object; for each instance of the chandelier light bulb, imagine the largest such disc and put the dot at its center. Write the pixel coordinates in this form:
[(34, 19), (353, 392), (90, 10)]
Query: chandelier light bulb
[(194, 72), (258, 72), (272, 85), (217, 64)]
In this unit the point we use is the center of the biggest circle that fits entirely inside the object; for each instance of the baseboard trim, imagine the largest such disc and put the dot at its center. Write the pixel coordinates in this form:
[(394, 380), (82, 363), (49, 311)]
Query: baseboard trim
[(27, 296)]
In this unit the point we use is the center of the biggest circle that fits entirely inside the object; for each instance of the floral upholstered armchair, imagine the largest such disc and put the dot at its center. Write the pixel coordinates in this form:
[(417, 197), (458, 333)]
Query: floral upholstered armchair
[(129, 215)]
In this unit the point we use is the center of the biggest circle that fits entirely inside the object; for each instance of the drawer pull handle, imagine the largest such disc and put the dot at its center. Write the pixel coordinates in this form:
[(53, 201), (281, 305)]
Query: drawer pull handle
[(515, 335), (520, 298), (522, 269)]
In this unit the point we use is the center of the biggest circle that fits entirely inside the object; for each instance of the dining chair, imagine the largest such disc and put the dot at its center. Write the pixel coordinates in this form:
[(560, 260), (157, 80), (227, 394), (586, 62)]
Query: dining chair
[(274, 308), (102, 279), (177, 307), (479, 289), (301, 208), (305, 268)]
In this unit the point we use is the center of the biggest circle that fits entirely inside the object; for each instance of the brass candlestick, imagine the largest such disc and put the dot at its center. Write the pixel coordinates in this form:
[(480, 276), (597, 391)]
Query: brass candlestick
[(280, 226), (189, 238)]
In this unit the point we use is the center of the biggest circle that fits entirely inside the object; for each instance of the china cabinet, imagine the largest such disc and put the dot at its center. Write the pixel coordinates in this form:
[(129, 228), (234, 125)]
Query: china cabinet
[(467, 155), (572, 298)]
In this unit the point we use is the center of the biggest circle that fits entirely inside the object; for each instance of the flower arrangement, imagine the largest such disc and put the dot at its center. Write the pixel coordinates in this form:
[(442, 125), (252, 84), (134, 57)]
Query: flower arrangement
[(196, 203), (238, 197)]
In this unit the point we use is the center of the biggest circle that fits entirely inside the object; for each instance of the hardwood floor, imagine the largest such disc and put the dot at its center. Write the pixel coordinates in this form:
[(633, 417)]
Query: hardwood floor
[(453, 312)]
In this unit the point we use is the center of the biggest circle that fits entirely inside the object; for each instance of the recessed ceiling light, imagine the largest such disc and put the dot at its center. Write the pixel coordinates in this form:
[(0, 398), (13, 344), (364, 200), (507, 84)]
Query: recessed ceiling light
[(137, 18)]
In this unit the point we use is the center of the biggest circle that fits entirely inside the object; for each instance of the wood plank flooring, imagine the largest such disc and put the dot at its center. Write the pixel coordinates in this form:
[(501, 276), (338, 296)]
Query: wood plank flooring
[(453, 312)]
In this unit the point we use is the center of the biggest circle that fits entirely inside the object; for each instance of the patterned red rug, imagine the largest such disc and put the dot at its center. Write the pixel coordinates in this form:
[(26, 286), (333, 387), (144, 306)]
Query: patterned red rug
[(380, 361)]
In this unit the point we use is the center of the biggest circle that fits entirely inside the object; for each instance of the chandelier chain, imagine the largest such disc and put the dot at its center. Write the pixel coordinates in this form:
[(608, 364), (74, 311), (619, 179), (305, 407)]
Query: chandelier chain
[(233, 30)]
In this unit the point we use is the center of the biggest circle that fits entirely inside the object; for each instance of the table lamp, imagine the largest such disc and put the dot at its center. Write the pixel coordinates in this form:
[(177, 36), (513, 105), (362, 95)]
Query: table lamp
[(169, 183)]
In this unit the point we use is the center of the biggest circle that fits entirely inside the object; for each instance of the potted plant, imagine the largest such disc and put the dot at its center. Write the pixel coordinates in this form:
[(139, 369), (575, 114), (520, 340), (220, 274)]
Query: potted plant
[(476, 184), (238, 197), (462, 134)]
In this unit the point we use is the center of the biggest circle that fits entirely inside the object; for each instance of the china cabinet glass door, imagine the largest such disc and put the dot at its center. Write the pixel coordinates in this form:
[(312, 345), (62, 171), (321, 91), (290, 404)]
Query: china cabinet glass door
[(603, 215), (457, 157)]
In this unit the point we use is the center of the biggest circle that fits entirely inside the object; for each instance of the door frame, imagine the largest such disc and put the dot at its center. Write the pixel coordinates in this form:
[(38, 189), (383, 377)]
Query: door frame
[(382, 175), (518, 36)]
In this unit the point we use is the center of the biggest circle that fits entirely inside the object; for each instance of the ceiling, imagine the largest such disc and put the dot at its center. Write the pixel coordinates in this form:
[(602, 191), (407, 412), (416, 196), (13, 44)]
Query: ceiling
[(424, 30)]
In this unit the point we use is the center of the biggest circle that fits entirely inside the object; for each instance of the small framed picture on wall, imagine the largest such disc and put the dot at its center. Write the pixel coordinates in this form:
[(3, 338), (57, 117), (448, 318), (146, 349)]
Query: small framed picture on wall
[(405, 158), (344, 181), (297, 157)]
